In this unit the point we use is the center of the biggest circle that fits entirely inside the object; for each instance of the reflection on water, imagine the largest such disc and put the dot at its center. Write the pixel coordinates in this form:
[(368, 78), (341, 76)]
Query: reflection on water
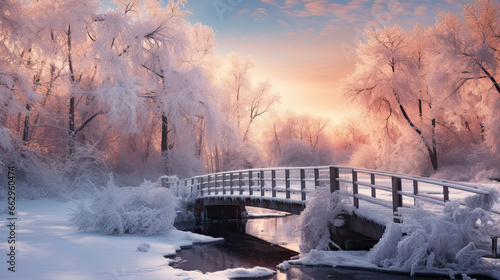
[(283, 231), (238, 250)]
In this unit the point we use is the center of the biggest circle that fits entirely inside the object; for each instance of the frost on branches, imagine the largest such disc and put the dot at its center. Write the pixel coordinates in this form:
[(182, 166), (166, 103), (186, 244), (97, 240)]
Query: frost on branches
[(322, 210), (453, 241), (146, 210)]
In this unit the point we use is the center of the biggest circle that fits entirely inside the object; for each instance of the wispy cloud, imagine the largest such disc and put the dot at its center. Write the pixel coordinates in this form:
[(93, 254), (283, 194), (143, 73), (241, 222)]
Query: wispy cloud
[(317, 8), (259, 14), (420, 11), (284, 22), (242, 12), (271, 2)]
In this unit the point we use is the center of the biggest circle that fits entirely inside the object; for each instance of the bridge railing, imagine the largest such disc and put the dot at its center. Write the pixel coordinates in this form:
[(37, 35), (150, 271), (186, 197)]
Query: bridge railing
[(295, 184)]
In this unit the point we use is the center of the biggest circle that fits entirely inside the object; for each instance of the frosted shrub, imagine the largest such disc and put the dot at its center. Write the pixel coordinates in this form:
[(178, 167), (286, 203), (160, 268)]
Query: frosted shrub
[(296, 153), (449, 242), (146, 210), (322, 210), (39, 175)]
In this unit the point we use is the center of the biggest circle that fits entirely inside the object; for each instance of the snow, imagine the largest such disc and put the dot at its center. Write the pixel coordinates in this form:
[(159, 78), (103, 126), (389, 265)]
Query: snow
[(48, 248), (322, 210), (146, 210), (449, 243), (359, 259)]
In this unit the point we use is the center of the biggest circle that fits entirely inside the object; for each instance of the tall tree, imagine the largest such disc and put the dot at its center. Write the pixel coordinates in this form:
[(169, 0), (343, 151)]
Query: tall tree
[(390, 85)]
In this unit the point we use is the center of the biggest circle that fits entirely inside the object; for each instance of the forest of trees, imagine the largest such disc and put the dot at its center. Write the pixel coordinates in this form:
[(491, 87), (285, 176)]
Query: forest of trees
[(431, 97), (137, 90)]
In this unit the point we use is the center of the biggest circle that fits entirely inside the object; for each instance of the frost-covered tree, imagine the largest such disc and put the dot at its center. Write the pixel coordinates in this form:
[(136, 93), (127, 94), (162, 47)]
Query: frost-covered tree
[(295, 140), (467, 68), (348, 136), (244, 104), (390, 86), (431, 96), (130, 85)]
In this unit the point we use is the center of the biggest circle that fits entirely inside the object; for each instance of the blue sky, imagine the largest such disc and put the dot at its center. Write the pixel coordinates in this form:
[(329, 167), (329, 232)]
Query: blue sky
[(306, 47)]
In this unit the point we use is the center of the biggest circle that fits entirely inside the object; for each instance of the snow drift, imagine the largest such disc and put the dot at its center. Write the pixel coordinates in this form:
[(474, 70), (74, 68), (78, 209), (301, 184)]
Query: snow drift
[(453, 241), (322, 210)]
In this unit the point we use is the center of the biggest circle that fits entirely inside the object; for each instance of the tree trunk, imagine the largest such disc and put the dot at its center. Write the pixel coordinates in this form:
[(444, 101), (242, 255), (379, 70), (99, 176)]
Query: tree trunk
[(72, 98), (433, 157), (164, 142), (164, 134), (431, 148), (217, 163), (420, 113), (26, 129), (71, 125)]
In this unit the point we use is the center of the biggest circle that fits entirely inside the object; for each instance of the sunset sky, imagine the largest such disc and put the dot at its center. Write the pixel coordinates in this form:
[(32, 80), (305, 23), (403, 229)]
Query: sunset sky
[(305, 48)]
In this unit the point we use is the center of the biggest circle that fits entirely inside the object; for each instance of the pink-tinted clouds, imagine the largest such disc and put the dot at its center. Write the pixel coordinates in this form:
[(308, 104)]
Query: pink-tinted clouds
[(307, 47)]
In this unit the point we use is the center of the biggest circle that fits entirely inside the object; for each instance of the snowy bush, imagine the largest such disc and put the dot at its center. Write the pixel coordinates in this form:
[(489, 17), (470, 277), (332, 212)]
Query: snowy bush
[(146, 210), (449, 242), (322, 210), (39, 175), (5, 139), (365, 156), (296, 153)]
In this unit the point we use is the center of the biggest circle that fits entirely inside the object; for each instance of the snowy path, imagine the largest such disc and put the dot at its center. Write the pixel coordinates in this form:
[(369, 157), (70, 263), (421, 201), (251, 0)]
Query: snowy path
[(47, 248)]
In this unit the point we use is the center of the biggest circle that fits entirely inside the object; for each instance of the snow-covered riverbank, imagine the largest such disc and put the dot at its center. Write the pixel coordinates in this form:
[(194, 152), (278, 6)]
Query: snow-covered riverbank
[(46, 247)]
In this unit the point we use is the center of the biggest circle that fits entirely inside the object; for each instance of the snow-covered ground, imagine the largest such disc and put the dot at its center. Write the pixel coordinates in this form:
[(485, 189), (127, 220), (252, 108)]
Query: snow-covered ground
[(46, 247), (359, 259), (449, 240)]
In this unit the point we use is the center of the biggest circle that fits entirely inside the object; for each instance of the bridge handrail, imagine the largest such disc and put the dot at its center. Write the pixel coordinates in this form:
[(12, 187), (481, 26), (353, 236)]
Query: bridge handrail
[(257, 181)]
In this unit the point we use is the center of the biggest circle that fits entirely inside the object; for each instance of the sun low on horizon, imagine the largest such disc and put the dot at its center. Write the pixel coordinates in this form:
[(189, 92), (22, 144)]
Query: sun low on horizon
[(306, 48)]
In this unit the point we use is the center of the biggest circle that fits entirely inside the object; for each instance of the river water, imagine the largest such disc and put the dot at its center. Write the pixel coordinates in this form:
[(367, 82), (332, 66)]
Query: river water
[(264, 242)]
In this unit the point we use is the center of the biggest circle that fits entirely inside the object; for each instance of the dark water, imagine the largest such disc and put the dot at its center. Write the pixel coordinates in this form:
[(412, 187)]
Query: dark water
[(240, 249), (237, 250)]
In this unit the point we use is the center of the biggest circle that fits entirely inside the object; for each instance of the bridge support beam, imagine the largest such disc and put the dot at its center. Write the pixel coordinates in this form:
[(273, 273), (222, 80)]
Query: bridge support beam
[(280, 205), (357, 233), (224, 212)]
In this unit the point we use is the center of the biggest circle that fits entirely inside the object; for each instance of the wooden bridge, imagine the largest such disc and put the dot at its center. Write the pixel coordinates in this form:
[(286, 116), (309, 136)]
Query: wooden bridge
[(288, 189)]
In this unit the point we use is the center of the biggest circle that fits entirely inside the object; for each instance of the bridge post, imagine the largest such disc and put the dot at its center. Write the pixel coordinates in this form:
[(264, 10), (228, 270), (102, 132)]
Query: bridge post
[(446, 194), (216, 184), (192, 188), (262, 182), (250, 181), (334, 175), (316, 177), (287, 183), (273, 182), (231, 183), (201, 185), (224, 183), (302, 184), (415, 191), (208, 184), (240, 182), (177, 187), (397, 199), (372, 181), (355, 188)]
